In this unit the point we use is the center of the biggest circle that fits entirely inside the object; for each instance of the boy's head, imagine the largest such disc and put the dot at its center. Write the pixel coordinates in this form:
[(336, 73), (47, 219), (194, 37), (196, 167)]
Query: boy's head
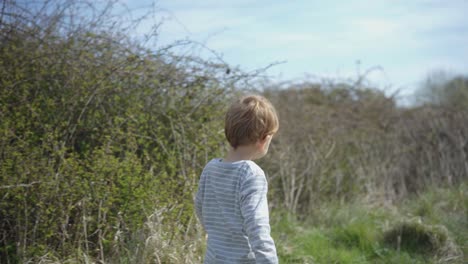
[(250, 119)]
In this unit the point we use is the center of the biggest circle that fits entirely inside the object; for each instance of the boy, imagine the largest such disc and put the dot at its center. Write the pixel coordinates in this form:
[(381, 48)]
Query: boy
[(231, 201)]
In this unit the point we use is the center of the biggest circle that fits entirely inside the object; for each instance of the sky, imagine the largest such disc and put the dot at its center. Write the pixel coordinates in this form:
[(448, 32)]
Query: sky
[(406, 40)]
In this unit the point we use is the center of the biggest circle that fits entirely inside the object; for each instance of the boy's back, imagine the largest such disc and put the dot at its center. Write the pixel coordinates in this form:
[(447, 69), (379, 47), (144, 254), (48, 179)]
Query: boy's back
[(231, 203)]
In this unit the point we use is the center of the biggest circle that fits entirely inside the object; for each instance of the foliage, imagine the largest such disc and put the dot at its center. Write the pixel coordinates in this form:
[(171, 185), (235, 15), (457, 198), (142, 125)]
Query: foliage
[(444, 89), (97, 131), (342, 141)]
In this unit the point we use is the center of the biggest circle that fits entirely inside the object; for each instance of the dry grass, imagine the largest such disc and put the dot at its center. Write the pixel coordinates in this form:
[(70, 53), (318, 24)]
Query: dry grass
[(417, 237)]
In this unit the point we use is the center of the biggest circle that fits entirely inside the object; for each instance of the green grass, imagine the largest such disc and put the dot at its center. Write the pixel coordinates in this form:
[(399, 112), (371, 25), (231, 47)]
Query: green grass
[(430, 228)]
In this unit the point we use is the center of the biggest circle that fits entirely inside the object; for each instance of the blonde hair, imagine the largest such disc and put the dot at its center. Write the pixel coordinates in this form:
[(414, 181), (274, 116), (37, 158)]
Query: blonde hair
[(249, 119)]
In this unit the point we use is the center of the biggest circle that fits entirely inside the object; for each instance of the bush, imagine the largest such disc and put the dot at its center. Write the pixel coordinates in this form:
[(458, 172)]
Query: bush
[(339, 141), (416, 237), (97, 131)]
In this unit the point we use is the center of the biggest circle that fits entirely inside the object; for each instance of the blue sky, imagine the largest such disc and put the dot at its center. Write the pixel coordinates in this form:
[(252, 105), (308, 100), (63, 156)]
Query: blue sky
[(408, 39)]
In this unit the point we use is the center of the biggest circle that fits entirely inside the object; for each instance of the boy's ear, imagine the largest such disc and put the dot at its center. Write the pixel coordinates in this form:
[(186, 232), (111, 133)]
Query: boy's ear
[(261, 141), (265, 139)]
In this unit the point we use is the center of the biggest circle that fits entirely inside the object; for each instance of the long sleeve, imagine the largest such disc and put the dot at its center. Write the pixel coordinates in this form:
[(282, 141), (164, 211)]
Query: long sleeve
[(199, 199), (254, 209)]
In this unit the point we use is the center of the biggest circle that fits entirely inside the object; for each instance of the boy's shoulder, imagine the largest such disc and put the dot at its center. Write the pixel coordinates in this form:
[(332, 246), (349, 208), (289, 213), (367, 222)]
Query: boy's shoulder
[(244, 166), (253, 167)]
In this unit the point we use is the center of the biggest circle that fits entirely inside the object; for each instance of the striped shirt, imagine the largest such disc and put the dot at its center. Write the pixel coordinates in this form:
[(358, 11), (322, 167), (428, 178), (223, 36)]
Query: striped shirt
[(232, 206)]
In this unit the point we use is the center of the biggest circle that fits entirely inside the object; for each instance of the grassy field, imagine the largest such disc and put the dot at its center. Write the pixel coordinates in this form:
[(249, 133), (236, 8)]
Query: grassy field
[(429, 228)]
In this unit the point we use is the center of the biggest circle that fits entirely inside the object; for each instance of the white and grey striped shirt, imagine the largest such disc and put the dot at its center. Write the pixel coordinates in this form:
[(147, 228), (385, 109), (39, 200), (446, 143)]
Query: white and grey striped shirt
[(232, 206)]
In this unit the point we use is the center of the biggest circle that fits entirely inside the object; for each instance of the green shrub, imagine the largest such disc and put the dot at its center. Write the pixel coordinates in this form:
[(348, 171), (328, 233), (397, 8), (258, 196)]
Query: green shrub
[(97, 131), (418, 238)]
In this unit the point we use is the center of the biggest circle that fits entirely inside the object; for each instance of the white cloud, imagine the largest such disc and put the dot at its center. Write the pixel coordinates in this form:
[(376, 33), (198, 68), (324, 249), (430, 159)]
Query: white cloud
[(407, 38), (376, 27)]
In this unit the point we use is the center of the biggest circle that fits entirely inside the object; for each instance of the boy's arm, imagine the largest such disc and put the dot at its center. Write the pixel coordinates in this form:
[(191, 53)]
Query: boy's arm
[(254, 208), (199, 200)]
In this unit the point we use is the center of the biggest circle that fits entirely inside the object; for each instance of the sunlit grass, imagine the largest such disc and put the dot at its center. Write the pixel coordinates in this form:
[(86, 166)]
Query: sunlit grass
[(430, 228)]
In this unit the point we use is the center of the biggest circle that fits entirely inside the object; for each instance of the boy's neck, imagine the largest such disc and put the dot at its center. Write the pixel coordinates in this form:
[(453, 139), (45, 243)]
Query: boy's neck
[(247, 152)]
